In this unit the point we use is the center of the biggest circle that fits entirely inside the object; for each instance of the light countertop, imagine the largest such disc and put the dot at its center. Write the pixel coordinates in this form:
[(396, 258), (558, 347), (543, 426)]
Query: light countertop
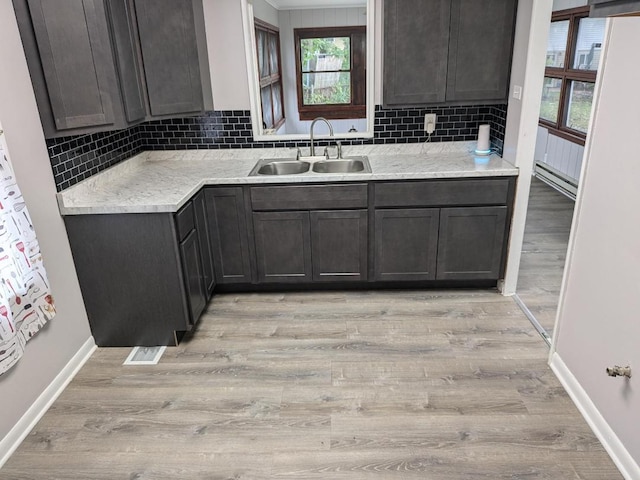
[(163, 181)]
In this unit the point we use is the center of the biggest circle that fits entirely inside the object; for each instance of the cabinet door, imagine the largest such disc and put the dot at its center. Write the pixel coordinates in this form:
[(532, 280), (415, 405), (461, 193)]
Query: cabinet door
[(192, 270), (77, 62), (204, 241), (170, 55), (339, 245), (406, 242), (416, 42), (283, 247), (228, 235), (124, 43), (480, 49), (471, 243)]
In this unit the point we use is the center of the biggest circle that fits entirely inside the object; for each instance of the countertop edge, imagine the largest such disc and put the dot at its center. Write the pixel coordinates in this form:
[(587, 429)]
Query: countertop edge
[(280, 180)]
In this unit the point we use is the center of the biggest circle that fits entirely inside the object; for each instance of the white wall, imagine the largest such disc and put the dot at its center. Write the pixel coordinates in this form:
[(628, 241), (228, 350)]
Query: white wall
[(48, 353), (598, 323), (565, 4), (323, 17), (562, 156), (265, 12), (227, 60), (527, 71)]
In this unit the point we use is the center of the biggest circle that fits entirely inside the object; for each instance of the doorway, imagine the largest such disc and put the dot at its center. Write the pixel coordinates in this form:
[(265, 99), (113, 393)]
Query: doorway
[(544, 249)]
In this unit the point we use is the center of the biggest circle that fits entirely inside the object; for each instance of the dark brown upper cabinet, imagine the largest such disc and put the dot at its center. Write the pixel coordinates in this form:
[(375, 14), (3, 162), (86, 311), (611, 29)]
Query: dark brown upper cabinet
[(101, 65), (447, 52)]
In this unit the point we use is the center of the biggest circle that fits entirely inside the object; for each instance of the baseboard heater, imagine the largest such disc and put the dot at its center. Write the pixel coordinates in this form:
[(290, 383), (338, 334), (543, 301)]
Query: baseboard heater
[(556, 179)]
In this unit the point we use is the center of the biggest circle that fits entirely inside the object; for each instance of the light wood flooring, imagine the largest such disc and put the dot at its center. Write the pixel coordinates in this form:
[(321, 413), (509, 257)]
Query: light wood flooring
[(436, 385), (544, 251)]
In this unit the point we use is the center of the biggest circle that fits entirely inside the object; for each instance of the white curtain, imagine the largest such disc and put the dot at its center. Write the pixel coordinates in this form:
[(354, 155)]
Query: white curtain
[(26, 303)]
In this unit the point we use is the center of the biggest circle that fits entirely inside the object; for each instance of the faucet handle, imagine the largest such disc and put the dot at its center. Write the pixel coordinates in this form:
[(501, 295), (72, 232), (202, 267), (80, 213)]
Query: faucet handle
[(298, 153), (339, 148), (326, 153)]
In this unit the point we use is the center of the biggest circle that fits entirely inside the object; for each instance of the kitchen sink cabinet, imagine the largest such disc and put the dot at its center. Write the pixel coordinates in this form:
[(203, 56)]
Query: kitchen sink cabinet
[(339, 245), (101, 65), (311, 246), (283, 247), (310, 233), (447, 52), (229, 235)]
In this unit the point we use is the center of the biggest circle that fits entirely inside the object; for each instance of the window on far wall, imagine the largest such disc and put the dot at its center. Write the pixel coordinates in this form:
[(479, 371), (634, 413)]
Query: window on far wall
[(269, 68), (573, 53), (330, 72)]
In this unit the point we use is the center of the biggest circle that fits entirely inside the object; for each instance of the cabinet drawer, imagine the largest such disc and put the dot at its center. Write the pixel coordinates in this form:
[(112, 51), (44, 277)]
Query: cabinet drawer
[(494, 191), (309, 197), (185, 221)]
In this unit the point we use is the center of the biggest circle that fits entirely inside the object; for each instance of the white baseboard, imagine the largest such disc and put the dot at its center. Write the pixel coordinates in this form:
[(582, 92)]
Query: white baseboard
[(612, 444), (38, 408)]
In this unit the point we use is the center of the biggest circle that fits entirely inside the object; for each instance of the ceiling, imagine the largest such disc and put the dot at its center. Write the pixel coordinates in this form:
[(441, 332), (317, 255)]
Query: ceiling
[(304, 4)]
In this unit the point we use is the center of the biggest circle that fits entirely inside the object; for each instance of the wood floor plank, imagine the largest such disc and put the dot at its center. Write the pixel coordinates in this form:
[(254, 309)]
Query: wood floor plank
[(544, 249), (325, 385)]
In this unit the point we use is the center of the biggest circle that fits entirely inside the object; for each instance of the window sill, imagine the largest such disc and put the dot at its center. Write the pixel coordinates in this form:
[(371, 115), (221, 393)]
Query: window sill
[(333, 112), (564, 134)]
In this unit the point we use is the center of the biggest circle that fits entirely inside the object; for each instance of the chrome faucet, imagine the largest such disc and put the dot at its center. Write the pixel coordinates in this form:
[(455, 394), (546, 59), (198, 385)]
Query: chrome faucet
[(312, 150)]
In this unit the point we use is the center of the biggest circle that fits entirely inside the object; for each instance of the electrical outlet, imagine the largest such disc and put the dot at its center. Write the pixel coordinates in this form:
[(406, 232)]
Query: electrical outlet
[(429, 122)]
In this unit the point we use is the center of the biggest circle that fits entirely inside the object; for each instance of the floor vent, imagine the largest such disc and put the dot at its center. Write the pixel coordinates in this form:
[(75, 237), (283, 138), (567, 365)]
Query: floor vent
[(145, 356)]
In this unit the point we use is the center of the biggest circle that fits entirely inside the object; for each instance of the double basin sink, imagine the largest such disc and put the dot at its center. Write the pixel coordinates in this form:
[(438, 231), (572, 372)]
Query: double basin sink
[(297, 167)]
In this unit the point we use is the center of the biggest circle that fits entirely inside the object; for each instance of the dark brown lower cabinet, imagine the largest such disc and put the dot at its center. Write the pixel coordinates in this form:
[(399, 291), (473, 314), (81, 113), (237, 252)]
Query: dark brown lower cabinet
[(204, 241), (315, 246), (339, 245), (131, 275), (406, 244), (194, 278), (471, 243), (228, 234), (146, 278), (283, 247)]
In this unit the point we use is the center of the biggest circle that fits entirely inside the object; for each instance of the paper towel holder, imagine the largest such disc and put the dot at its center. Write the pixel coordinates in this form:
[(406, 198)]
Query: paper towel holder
[(483, 146)]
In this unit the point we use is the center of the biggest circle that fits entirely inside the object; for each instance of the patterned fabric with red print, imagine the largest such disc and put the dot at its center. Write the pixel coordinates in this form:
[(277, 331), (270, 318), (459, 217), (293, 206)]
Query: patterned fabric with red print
[(26, 303)]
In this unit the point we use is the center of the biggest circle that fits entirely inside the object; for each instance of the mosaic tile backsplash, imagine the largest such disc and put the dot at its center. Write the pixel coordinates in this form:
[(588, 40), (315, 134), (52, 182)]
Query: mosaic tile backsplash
[(75, 158)]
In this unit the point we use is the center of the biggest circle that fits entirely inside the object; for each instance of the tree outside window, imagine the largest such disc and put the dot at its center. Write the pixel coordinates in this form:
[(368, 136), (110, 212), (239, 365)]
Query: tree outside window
[(573, 53)]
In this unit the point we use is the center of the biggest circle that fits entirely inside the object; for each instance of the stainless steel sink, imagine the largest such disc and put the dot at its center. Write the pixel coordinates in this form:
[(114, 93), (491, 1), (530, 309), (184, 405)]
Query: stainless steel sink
[(346, 165), (280, 167), (288, 166)]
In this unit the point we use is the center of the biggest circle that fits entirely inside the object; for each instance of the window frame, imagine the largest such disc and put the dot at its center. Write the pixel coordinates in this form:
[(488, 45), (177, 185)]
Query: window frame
[(358, 70), (273, 78), (566, 75)]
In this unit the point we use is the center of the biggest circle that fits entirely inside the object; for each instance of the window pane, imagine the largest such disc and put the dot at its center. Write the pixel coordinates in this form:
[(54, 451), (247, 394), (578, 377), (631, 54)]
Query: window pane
[(273, 53), (322, 54), (326, 88), (579, 107), (557, 43), (263, 60), (277, 102), (550, 99), (267, 113), (589, 44)]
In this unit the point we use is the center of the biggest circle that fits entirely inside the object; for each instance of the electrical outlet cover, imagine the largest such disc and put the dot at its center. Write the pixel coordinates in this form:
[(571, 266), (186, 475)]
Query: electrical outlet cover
[(429, 122)]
